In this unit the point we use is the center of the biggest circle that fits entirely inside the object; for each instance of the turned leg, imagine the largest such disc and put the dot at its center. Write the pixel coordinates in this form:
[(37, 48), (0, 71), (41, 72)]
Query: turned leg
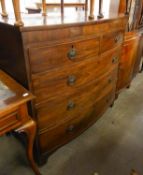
[(62, 6), (92, 3), (126, 12), (4, 13), (86, 5), (44, 7), (16, 6), (100, 14), (30, 129)]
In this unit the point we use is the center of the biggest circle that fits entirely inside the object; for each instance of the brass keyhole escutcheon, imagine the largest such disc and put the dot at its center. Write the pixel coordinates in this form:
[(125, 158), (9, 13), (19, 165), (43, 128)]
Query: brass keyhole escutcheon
[(71, 105), (72, 53), (71, 80)]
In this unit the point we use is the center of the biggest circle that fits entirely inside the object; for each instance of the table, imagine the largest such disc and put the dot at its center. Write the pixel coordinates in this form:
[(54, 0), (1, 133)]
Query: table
[(14, 114), (19, 21)]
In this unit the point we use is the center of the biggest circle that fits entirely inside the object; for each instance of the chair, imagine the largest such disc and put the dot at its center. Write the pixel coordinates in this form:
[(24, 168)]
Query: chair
[(77, 4), (16, 6)]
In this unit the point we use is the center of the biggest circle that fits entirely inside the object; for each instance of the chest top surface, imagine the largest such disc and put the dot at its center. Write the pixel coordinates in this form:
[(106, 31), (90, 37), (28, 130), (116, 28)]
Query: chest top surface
[(36, 21)]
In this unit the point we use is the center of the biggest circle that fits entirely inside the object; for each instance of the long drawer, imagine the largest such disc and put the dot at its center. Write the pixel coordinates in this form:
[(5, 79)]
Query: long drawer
[(60, 110), (66, 81), (59, 135), (47, 57)]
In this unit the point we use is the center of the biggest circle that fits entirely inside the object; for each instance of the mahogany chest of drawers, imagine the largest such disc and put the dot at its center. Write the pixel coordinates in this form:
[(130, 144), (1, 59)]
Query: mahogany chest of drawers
[(71, 68)]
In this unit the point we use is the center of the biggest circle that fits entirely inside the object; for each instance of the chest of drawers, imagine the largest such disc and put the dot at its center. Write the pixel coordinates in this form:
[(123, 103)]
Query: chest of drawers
[(72, 70)]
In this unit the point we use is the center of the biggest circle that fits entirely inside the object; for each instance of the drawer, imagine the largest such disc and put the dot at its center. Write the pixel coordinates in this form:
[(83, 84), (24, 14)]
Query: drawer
[(48, 86), (9, 121), (59, 135), (60, 110), (45, 58), (111, 40)]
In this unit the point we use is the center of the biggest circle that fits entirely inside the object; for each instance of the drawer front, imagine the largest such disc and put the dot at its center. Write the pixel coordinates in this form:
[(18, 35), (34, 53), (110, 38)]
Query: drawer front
[(9, 122), (64, 82), (60, 110), (57, 136), (111, 40), (47, 57)]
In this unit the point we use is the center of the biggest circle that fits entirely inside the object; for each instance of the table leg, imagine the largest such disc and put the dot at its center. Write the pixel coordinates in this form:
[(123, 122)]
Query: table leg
[(4, 13), (62, 7), (44, 7), (92, 3), (30, 129), (86, 5), (100, 14), (16, 6)]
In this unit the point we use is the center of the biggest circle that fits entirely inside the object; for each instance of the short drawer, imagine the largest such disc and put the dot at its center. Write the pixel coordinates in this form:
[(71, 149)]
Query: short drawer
[(47, 57), (59, 135), (48, 86), (111, 40), (62, 109), (9, 121)]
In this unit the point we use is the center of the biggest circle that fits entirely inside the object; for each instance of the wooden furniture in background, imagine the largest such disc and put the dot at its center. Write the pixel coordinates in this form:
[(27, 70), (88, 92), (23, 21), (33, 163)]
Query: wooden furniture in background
[(135, 10), (14, 115), (130, 60), (32, 10), (123, 6), (71, 68), (16, 6), (133, 47), (63, 4)]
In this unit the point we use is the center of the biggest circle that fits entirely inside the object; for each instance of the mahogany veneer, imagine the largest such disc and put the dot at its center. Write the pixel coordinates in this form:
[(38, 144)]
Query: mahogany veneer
[(71, 68), (130, 60)]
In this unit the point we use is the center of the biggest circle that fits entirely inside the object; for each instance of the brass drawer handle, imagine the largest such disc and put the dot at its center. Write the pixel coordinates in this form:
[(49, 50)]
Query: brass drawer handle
[(71, 80), (71, 128), (72, 53), (115, 59), (71, 105)]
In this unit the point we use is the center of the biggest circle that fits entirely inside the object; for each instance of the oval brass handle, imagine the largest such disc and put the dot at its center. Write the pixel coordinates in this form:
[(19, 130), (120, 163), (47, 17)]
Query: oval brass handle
[(71, 105), (71, 128), (114, 59), (72, 54), (71, 80)]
